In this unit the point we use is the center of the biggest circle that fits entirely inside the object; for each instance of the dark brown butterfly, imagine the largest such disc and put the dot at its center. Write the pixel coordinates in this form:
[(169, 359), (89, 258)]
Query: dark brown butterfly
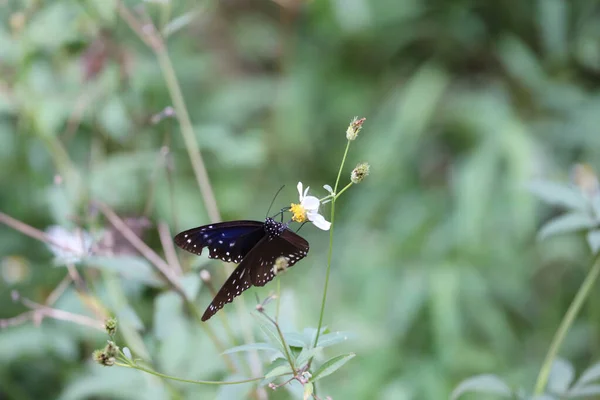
[(255, 245)]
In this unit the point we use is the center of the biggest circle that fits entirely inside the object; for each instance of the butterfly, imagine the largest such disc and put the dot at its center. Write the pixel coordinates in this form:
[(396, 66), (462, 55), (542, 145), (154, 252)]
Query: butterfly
[(254, 245)]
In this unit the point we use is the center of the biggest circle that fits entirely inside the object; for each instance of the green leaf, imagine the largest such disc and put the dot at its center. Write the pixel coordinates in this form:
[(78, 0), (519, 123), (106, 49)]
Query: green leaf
[(114, 119), (306, 354), (308, 390), (558, 194), (128, 267), (583, 391), (561, 376), (280, 370), (570, 222), (190, 284), (330, 339), (482, 384), (252, 346), (331, 365), (589, 375), (593, 239), (270, 332)]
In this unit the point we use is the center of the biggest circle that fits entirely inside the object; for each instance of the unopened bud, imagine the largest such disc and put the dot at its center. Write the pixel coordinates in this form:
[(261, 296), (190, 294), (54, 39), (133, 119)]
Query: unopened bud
[(111, 349), (111, 326), (103, 359), (354, 127), (360, 172), (281, 264)]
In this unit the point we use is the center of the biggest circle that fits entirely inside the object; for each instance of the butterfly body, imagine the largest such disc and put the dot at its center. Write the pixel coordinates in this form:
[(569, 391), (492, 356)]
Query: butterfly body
[(255, 245)]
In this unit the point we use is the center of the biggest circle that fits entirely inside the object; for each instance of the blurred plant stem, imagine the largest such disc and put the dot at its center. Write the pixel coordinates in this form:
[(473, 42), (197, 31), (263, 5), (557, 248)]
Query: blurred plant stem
[(330, 252), (149, 35), (565, 325), (174, 378)]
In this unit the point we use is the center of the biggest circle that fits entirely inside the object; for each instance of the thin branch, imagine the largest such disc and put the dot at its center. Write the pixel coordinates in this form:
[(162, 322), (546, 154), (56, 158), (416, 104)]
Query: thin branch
[(149, 35), (51, 313), (160, 265), (32, 232), (164, 270)]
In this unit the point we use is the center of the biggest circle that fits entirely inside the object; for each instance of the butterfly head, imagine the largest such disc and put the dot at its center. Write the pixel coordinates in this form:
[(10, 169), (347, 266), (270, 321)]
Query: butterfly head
[(274, 228)]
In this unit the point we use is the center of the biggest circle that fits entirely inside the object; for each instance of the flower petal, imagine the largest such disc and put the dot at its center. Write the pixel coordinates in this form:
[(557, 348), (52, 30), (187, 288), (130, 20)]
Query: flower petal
[(319, 221), (310, 203), (328, 188), (306, 191), (299, 186)]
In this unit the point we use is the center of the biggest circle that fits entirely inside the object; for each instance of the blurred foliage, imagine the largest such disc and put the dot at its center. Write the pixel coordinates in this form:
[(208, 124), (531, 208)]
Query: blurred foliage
[(436, 269)]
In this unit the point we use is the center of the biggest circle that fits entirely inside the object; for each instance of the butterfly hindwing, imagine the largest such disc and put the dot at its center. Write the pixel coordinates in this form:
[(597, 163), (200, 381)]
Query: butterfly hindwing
[(227, 241), (237, 282), (289, 245)]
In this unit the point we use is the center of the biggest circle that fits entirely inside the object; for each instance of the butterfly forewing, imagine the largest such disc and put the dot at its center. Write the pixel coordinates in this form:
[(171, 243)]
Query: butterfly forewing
[(227, 241)]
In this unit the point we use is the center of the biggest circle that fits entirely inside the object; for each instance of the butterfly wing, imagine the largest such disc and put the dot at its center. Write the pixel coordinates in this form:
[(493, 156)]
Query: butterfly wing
[(227, 241), (237, 282), (257, 267), (289, 245)]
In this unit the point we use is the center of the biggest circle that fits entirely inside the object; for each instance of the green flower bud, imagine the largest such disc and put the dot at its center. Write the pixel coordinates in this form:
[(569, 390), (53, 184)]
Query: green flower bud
[(360, 172), (111, 326)]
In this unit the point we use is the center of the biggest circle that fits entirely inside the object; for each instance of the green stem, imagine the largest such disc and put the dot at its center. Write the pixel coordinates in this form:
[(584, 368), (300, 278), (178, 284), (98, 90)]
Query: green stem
[(187, 131), (337, 181), (286, 349), (343, 190), (330, 252), (278, 300), (565, 325), (174, 378)]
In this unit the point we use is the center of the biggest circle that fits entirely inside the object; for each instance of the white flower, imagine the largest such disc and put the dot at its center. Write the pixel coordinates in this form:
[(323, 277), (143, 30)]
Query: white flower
[(308, 209), (73, 245)]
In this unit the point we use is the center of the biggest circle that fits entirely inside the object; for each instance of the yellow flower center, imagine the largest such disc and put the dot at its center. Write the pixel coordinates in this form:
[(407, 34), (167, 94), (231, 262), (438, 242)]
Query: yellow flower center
[(299, 213)]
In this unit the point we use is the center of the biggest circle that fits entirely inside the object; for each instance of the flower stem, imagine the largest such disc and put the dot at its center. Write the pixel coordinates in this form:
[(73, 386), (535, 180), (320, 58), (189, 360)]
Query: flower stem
[(174, 378), (330, 252), (565, 325), (343, 190), (329, 255), (337, 181)]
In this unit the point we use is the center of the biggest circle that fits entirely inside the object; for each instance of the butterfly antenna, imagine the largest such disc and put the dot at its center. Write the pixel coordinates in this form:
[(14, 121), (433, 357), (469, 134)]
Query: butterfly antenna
[(273, 201)]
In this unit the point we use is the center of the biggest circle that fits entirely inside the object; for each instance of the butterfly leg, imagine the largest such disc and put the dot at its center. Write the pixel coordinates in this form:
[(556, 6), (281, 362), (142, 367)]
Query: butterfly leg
[(301, 226)]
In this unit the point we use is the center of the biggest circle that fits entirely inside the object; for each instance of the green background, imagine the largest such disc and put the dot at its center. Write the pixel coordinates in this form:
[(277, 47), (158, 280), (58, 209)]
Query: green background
[(437, 272)]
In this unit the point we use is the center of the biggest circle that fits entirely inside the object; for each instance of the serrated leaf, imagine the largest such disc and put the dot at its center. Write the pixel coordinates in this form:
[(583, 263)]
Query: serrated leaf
[(280, 370), (558, 194), (570, 222), (486, 383), (331, 365), (593, 239), (561, 376), (589, 375), (251, 347), (306, 354), (583, 391)]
